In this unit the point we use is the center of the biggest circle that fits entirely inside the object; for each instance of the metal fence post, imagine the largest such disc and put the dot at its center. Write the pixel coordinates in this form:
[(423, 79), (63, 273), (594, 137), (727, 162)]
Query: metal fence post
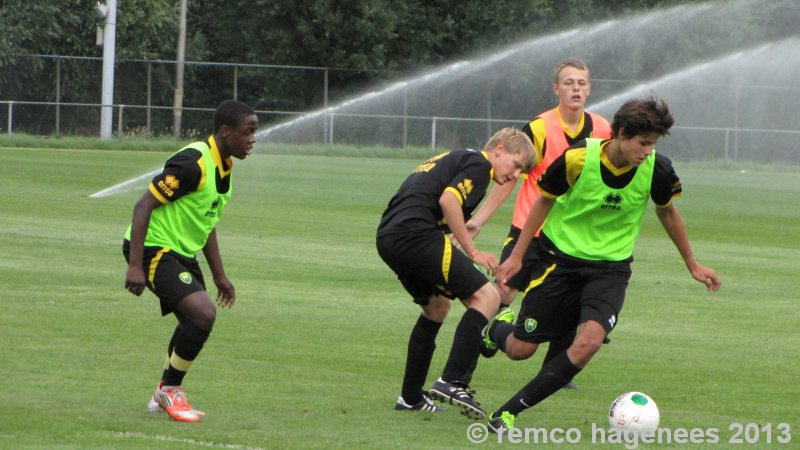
[(330, 130), (58, 95), (149, 93), (405, 117), (727, 140), (235, 81), (10, 117), (433, 133), (119, 121), (325, 104)]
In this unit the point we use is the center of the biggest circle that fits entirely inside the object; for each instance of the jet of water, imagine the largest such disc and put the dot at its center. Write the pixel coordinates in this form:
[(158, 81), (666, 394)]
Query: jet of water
[(513, 83), (126, 186)]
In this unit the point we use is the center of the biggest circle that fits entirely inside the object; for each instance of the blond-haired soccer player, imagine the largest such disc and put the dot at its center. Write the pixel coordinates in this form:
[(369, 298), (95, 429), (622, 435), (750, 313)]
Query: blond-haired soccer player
[(412, 239)]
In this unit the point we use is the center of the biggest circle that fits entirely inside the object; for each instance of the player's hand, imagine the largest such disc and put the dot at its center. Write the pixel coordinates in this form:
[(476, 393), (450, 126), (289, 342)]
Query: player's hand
[(505, 290), (486, 260), (707, 276), (508, 269), (226, 294), (134, 280)]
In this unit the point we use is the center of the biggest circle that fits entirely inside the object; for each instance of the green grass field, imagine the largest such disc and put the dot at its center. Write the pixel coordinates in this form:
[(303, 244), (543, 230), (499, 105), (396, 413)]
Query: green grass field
[(312, 354)]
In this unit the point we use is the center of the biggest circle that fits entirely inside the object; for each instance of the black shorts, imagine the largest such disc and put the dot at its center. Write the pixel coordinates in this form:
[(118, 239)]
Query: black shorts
[(520, 280), (170, 275), (427, 264), (560, 297)]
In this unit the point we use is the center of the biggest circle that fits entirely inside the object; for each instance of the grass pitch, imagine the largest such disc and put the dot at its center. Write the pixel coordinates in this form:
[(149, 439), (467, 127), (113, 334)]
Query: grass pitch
[(312, 354)]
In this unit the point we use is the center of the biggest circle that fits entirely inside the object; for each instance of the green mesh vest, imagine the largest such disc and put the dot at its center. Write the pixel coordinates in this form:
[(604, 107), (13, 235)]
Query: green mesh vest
[(595, 222), (184, 225)]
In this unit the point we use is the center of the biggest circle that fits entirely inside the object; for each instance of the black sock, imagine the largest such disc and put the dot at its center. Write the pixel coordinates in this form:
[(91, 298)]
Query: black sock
[(553, 376), (171, 348), (188, 344), (499, 333), (421, 345), (466, 347), (559, 345)]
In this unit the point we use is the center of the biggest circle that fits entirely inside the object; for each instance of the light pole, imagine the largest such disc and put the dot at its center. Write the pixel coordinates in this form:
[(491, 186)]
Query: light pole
[(109, 11), (177, 105)]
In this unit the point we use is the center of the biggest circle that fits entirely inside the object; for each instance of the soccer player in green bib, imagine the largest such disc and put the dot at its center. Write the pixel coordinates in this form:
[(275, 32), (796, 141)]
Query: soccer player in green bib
[(174, 218), (593, 197)]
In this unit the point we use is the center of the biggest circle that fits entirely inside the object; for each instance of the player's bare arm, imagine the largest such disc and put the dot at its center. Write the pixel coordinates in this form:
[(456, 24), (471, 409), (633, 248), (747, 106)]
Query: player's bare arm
[(497, 196), (539, 211), (451, 208), (672, 222), (134, 276), (226, 293)]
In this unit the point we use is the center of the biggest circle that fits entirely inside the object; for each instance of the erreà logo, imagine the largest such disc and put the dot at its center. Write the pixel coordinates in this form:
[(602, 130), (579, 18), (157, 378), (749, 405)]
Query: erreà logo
[(612, 201), (211, 212), (465, 187)]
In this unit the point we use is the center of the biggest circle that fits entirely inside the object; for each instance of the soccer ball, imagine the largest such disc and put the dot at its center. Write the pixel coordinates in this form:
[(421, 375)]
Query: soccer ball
[(635, 412)]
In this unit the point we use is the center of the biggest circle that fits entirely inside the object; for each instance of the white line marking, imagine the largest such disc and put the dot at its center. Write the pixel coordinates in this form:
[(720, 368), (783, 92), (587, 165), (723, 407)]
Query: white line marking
[(159, 437)]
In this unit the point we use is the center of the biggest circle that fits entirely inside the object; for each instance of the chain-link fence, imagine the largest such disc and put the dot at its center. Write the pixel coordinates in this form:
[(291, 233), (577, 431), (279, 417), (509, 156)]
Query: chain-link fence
[(62, 92)]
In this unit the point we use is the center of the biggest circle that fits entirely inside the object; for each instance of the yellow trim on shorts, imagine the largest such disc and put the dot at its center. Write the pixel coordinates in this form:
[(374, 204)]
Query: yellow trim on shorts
[(179, 363), (507, 241), (446, 258), (539, 280), (153, 264)]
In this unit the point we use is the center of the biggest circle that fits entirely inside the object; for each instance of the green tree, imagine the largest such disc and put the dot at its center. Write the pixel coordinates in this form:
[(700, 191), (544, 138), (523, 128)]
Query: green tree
[(68, 28)]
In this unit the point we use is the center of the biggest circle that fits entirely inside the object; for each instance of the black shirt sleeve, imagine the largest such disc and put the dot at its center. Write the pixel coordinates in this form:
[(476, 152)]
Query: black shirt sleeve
[(472, 182), (554, 182), (181, 176), (666, 184)]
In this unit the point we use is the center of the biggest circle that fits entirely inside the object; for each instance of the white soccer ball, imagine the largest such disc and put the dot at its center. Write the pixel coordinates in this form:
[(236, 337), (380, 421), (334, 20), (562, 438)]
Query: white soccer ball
[(634, 411)]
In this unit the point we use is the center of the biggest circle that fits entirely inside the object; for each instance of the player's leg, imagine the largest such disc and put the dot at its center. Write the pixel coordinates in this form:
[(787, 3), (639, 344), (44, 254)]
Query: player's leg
[(545, 298), (558, 345), (196, 314), (508, 292), (600, 294), (453, 385), (414, 259), (421, 346), (553, 376), (172, 278), (152, 405), (179, 284)]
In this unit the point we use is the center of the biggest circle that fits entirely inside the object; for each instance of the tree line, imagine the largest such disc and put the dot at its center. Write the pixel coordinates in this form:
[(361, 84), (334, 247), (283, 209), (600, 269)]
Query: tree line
[(364, 41)]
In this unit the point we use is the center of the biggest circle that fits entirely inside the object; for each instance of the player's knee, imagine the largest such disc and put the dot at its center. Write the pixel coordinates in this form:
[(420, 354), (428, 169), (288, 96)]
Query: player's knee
[(208, 317), (517, 350), (195, 332), (508, 297), (486, 300), (204, 315), (436, 309), (583, 349), (199, 309)]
